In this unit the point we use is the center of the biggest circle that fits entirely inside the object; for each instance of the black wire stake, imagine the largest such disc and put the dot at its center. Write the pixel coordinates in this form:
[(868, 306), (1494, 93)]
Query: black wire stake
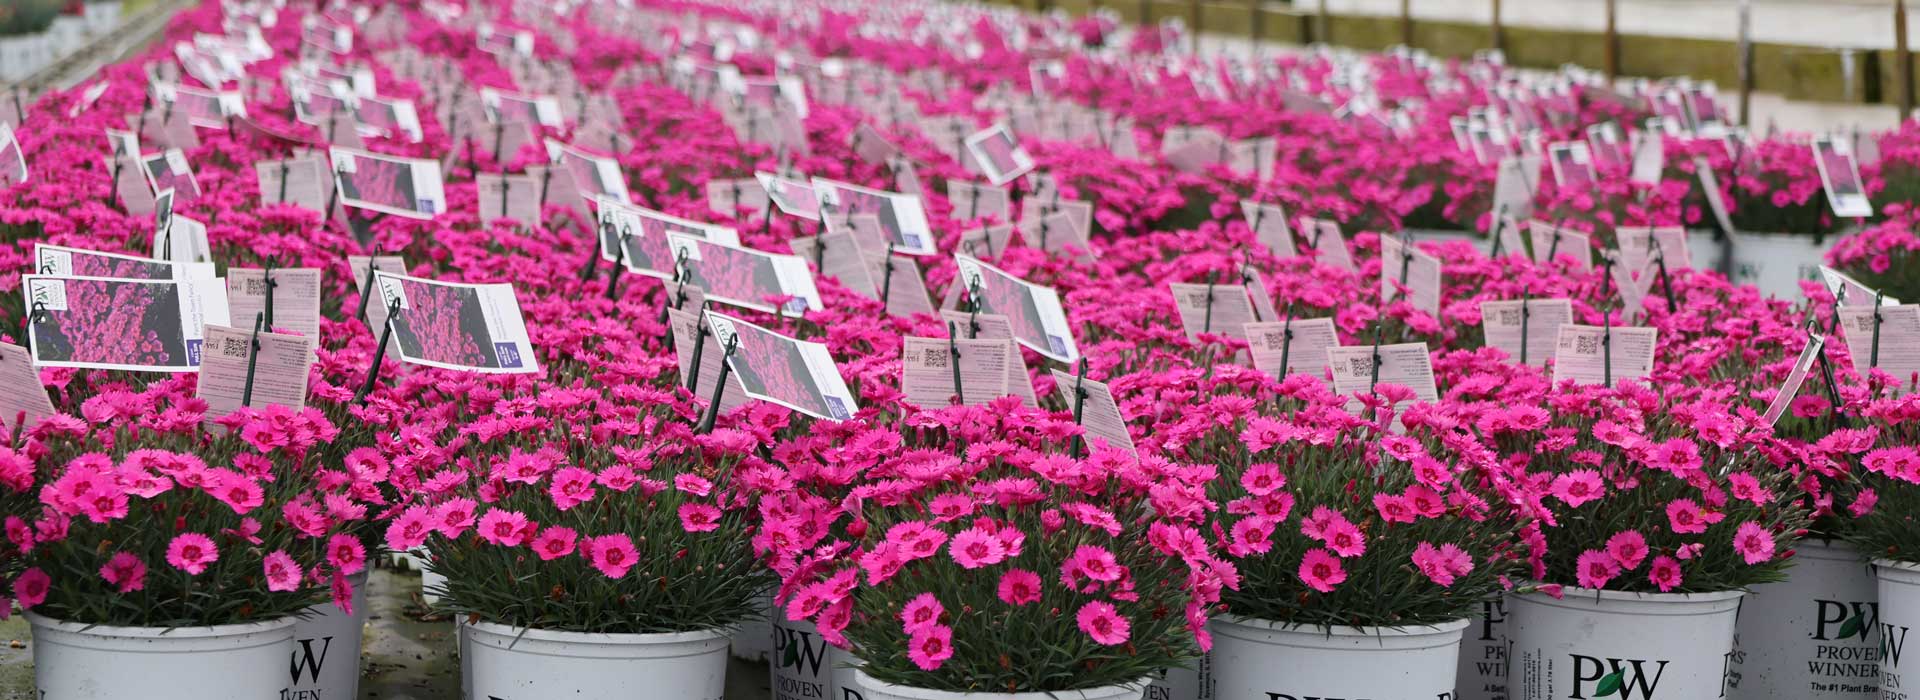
[(1606, 337), (699, 347), (973, 308), (1499, 216), (1286, 341), (506, 194), (499, 139), (333, 196), (366, 288), (719, 387), (953, 349), (1079, 407), (373, 373), (266, 277), (619, 264), (886, 280), (546, 179), (285, 168), (1660, 258), (593, 257), (1833, 392), (1874, 361), (1526, 320), (1378, 329), (1207, 325), (253, 358)]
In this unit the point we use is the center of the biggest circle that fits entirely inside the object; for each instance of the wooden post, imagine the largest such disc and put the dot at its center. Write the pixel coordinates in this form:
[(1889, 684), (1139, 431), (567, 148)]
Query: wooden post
[(1903, 54), (1259, 23), (1406, 23), (1499, 37), (1746, 61), (1193, 28), (1146, 12), (1613, 42), (1325, 30)]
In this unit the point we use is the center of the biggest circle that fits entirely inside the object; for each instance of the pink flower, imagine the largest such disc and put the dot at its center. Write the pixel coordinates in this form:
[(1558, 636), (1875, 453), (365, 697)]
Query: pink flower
[(410, 529), (1595, 568), (930, 647), (1628, 548), (1577, 487), (553, 543), (571, 486), (346, 554), (693, 484), (1747, 488), (283, 573), (1091, 562), (974, 548), (192, 552), (1103, 623), (612, 554), (238, 491), (453, 517), (1321, 570), (1019, 587), (1686, 517), (1251, 536), (125, 571), (1443, 564), (1345, 539), (1753, 542), (699, 517), (920, 613), (1665, 573), (1394, 509), (505, 528), (31, 588), (1262, 479)]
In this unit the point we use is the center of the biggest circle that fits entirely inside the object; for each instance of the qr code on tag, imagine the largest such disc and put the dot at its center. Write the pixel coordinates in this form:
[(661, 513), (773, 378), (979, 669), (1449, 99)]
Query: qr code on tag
[(1508, 317), (1357, 366), (233, 347), (1586, 344), (1275, 340), (255, 286), (934, 357)]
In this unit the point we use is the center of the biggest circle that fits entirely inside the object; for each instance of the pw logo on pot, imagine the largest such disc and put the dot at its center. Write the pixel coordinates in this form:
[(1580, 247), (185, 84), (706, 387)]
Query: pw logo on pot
[(1625, 679)]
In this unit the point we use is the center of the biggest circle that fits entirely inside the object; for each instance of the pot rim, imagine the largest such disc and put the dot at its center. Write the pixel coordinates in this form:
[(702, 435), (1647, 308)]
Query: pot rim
[(1897, 565), (605, 638), (1577, 593), (873, 684), (197, 632), (1413, 630)]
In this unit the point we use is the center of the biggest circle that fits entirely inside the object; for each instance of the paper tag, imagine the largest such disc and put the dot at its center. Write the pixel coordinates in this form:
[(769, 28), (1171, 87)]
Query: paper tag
[(1898, 348), (997, 327), (1503, 325), (1222, 310), (23, 399), (1404, 265), (1791, 387), (928, 370), (1305, 354), (1269, 225), (1403, 364), (1581, 353), (1099, 413), (279, 376)]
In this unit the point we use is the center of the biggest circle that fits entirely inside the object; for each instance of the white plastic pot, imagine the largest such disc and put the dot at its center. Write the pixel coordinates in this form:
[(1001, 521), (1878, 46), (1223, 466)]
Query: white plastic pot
[(1899, 615), (430, 581), (1266, 660), (102, 17), (530, 664), (23, 55), (67, 34), (871, 689), (1776, 262), (1483, 654), (1650, 646), (1707, 248), (753, 640), (73, 661), (326, 648), (1183, 682), (801, 662), (1813, 635)]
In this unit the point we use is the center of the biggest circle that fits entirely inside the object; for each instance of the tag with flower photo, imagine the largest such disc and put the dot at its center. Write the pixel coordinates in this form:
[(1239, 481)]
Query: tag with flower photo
[(451, 325), (775, 368), (125, 324)]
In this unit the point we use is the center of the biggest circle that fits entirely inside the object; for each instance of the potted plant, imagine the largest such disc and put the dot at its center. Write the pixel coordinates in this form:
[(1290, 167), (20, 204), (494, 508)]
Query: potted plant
[(24, 48), (987, 561), (167, 559), (1890, 533), (592, 544), (1781, 220), (1362, 553), (1656, 516)]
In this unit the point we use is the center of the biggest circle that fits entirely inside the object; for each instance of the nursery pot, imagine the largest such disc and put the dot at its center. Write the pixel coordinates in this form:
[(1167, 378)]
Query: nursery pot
[(512, 663), (871, 689), (1899, 615), (76, 661), (1776, 262), (326, 648), (801, 662), (1483, 654), (1193, 682), (1813, 635), (1265, 660), (753, 640), (1624, 646)]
